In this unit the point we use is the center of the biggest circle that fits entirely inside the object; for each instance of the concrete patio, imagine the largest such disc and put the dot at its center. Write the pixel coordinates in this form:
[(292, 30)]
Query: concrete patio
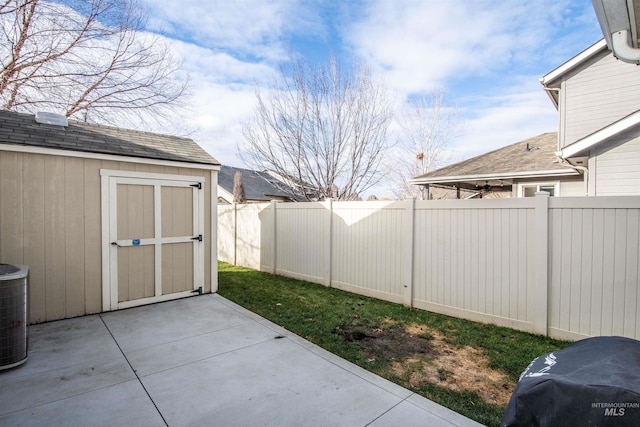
[(201, 361)]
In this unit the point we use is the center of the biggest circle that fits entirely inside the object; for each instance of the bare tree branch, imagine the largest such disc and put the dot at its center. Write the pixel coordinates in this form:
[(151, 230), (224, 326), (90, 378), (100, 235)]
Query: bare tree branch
[(86, 58), (320, 129), (429, 130)]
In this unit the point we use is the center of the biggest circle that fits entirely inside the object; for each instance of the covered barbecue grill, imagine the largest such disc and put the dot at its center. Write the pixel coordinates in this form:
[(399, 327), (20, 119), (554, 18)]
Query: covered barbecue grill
[(592, 382)]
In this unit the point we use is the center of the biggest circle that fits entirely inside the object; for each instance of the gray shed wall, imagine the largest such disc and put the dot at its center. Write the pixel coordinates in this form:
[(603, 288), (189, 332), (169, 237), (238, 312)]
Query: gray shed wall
[(50, 219)]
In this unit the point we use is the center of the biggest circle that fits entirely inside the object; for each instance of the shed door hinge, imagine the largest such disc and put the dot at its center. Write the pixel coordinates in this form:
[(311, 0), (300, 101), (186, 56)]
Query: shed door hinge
[(198, 186), (198, 238)]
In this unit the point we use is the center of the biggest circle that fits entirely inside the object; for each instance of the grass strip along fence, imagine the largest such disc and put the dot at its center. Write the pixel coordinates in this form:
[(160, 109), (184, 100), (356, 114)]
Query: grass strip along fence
[(469, 367)]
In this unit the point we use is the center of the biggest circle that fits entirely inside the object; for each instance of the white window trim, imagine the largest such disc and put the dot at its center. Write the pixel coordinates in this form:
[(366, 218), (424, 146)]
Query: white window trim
[(555, 184)]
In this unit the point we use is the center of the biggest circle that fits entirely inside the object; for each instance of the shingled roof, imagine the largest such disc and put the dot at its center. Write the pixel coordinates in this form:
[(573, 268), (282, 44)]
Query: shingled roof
[(22, 129), (258, 186), (531, 158)]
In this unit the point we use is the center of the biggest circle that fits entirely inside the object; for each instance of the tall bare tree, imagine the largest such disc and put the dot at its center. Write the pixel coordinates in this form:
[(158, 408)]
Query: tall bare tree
[(87, 59), (428, 131), (238, 188), (320, 129)]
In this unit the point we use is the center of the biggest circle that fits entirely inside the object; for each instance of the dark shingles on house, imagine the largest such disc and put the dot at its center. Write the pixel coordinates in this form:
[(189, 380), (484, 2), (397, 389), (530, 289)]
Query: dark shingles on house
[(258, 186), (22, 129), (531, 155)]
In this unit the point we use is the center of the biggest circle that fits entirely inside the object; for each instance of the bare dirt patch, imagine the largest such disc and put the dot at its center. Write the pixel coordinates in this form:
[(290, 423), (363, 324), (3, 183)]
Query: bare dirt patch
[(421, 355)]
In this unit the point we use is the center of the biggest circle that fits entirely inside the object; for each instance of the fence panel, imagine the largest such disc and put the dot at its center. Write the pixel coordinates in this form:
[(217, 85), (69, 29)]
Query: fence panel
[(239, 234), (248, 234), (367, 248), (302, 239), (226, 237), (475, 258), (567, 267), (594, 257)]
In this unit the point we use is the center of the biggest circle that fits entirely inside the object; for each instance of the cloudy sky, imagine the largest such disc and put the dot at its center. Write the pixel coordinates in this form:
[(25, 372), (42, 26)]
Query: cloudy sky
[(486, 55)]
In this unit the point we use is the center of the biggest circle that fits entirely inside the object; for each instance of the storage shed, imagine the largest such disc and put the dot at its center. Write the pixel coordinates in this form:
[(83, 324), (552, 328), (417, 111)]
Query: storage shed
[(106, 218)]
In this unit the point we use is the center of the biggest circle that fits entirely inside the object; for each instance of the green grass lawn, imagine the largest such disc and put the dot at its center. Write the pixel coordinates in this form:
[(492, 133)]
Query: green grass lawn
[(358, 328)]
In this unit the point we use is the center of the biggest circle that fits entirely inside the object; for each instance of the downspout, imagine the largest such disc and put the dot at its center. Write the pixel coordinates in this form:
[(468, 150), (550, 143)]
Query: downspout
[(585, 173), (617, 22), (622, 48)]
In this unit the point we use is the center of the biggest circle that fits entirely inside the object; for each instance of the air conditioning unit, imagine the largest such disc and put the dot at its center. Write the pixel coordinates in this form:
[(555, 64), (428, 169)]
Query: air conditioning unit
[(14, 315)]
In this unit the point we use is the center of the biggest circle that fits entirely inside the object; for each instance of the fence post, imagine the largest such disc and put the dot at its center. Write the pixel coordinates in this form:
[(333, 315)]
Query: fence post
[(407, 282), (274, 206), (235, 233), (541, 283), (327, 254)]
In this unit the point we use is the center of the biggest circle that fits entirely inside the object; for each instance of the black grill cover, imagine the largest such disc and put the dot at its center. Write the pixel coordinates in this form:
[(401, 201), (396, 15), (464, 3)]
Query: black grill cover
[(593, 382)]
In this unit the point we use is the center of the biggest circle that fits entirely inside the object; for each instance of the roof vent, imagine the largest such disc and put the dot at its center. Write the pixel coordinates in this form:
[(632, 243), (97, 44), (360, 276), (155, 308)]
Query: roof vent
[(45, 118)]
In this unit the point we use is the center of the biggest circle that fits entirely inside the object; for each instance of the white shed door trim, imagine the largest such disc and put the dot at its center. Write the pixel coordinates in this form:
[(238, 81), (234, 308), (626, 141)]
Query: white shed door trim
[(111, 181)]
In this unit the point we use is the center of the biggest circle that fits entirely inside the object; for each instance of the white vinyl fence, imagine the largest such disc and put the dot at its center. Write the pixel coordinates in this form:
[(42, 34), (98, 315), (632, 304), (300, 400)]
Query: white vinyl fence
[(563, 267)]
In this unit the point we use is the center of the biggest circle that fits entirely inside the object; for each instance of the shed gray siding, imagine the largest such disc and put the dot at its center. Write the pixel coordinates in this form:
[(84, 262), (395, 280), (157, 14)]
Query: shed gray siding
[(52, 206), (50, 219), (602, 91), (616, 166)]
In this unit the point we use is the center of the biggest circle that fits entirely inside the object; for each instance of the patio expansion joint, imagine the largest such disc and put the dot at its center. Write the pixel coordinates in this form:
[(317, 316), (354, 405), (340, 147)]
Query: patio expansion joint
[(386, 412), (134, 372), (202, 334), (314, 348), (205, 358), (50, 401)]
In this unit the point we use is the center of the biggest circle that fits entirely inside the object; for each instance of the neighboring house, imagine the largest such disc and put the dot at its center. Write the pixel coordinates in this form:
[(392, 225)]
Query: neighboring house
[(305, 190), (598, 143), (517, 170), (105, 218), (259, 186), (598, 98)]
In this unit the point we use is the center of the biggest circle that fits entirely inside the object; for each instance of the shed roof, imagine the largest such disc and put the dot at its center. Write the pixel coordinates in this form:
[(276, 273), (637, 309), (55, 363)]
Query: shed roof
[(22, 129), (257, 185), (533, 157)]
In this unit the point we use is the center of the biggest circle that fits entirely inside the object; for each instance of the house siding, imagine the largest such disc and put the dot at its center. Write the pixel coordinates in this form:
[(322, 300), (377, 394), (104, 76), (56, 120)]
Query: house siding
[(601, 92), (50, 219), (573, 188), (616, 164)]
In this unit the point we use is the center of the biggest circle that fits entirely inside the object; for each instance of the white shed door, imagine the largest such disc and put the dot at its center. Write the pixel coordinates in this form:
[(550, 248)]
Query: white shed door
[(153, 239)]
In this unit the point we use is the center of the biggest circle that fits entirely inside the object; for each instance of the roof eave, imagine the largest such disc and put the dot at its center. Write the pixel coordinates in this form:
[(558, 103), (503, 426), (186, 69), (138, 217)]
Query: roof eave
[(600, 136), (495, 176), (20, 148), (574, 62)]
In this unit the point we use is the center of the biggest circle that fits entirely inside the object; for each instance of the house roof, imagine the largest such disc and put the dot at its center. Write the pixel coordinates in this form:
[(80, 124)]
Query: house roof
[(22, 129), (257, 185), (532, 158)]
